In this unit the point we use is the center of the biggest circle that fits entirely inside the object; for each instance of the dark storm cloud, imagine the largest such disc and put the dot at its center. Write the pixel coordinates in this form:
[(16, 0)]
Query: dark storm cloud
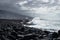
[(10, 5)]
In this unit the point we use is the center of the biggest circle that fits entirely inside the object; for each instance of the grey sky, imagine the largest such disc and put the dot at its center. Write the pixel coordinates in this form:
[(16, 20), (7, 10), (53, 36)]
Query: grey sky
[(48, 9)]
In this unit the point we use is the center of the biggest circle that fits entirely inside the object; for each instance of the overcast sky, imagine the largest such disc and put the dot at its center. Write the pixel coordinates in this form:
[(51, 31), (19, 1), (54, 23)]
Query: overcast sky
[(46, 9)]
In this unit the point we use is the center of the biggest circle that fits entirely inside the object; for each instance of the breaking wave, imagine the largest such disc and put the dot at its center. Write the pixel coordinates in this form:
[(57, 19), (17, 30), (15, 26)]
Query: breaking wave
[(45, 25)]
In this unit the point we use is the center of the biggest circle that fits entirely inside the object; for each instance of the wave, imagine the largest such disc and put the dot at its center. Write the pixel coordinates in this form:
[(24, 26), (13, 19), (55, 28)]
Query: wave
[(52, 26)]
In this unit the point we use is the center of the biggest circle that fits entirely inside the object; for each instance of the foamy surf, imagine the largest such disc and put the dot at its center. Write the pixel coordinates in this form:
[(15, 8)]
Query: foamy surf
[(44, 25)]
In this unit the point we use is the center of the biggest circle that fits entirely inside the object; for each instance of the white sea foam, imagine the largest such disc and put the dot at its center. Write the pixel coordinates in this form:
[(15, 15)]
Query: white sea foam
[(45, 25)]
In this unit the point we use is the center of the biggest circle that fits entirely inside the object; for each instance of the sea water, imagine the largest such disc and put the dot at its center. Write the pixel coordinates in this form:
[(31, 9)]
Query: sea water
[(52, 26)]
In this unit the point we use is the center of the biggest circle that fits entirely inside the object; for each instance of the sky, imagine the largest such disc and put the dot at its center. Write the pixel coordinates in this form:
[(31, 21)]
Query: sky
[(45, 9)]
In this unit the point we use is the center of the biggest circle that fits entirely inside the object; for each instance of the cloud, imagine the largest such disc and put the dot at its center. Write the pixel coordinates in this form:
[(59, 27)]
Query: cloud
[(45, 0), (43, 8), (49, 8), (22, 3)]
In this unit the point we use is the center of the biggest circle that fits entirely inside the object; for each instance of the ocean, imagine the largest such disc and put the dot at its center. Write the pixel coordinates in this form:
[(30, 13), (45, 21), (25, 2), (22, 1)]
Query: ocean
[(49, 25)]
